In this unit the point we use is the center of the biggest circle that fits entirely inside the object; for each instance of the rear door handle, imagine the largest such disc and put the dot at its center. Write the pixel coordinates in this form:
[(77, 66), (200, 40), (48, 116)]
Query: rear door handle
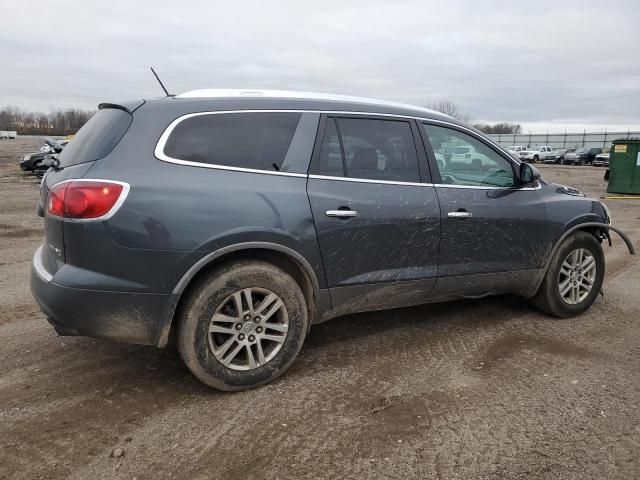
[(459, 215), (341, 213)]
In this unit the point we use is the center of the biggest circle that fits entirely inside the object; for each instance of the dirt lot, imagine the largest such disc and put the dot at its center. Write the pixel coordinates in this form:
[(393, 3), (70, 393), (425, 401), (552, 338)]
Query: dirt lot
[(470, 390)]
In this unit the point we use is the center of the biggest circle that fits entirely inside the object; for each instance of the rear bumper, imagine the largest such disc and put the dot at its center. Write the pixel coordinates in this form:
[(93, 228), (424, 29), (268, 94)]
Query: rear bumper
[(122, 316)]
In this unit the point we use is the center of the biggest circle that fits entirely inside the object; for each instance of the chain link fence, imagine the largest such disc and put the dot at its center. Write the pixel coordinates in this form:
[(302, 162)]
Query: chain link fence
[(562, 140)]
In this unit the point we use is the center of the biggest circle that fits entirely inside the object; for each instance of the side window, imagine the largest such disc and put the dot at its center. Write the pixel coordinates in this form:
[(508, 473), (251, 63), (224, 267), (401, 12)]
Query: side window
[(330, 160), (378, 149), (246, 140), (464, 160), (369, 149)]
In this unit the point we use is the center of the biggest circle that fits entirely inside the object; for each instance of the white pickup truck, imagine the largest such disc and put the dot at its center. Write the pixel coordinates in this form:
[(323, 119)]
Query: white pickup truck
[(516, 149), (535, 154), (8, 134)]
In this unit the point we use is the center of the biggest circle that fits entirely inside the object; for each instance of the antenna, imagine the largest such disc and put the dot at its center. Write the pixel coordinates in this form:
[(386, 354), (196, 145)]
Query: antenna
[(160, 82)]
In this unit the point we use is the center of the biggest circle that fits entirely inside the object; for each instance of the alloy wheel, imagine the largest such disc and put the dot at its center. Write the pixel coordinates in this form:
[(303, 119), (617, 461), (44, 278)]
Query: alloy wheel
[(248, 329), (577, 276)]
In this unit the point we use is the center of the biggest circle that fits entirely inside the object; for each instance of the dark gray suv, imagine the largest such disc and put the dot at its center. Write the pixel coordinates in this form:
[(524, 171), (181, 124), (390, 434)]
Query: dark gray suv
[(235, 220)]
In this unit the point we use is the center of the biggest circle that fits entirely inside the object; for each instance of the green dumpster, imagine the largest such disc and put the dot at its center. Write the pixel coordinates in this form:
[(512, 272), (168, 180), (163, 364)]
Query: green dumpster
[(624, 166)]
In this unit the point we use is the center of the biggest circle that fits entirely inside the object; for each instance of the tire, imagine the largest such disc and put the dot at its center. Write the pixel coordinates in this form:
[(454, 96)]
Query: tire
[(535, 159), (217, 293), (549, 298)]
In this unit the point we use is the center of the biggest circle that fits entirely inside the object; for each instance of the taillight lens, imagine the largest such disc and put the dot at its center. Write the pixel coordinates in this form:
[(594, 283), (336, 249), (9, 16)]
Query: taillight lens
[(86, 199)]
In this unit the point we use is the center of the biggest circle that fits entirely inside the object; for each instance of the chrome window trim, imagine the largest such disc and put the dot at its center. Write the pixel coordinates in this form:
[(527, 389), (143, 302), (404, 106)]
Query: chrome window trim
[(368, 180), (233, 169), (425, 184), (482, 187), (116, 206), (160, 155)]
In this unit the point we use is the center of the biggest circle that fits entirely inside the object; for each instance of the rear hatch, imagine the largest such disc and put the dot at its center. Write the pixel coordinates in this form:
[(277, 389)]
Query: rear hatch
[(93, 142)]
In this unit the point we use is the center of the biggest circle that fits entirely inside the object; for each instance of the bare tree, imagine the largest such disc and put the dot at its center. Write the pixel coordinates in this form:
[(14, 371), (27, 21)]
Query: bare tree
[(55, 122), (449, 108), (499, 127)]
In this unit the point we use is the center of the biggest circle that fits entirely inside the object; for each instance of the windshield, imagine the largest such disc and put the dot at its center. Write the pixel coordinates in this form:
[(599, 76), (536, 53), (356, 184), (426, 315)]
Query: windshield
[(582, 150)]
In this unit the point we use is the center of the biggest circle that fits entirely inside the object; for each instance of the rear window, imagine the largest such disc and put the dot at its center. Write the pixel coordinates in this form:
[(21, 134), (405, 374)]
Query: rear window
[(97, 138), (257, 140)]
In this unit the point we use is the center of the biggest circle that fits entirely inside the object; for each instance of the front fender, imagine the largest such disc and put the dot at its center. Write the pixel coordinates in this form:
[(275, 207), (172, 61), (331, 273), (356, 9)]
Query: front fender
[(581, 226), (604, 226)]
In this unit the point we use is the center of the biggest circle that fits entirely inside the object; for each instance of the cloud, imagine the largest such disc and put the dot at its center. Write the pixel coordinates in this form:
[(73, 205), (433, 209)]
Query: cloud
[(538, 63)]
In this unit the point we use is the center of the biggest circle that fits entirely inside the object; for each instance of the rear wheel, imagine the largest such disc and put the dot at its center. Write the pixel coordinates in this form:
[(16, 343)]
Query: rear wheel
[(535, 158), (242, 326), (574, 277)]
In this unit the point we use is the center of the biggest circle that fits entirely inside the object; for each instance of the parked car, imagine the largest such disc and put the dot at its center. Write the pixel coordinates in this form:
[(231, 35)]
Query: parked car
[(50, 160), (582, 156), (535, 154), (50, 145), (462, 153), (601, 160), (31, 161), (558, 155), (235, 222), (516, 149)]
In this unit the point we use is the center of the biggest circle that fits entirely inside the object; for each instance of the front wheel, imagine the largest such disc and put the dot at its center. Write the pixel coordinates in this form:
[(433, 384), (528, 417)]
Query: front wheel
[(574, 277), (242, 326)]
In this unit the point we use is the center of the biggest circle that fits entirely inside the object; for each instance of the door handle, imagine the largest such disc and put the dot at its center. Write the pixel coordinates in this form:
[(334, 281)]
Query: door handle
[(459, 214), (341, 213)]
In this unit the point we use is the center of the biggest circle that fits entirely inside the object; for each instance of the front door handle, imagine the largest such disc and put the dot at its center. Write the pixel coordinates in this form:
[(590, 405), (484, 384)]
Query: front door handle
[(459, 215), (341, 213)]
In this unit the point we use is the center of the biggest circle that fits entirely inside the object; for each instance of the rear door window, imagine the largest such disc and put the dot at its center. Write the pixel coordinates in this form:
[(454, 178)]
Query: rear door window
[(256, 140), (369, 149), (97, 138), (331, 163)]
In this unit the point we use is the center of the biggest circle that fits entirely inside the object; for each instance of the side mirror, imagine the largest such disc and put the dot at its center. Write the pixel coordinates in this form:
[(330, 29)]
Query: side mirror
[(528, 173)]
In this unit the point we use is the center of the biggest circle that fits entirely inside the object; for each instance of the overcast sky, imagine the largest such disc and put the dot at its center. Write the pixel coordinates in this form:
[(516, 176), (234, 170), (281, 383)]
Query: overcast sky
[(544, 64)]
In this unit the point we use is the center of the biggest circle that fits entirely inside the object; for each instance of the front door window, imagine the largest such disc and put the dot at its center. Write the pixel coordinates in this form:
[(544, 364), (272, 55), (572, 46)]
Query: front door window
[(464, 160)]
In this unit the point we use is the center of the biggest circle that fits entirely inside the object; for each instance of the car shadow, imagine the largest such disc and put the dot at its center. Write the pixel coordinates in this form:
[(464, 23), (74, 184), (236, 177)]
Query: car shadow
[(442, 316), (78, 365)]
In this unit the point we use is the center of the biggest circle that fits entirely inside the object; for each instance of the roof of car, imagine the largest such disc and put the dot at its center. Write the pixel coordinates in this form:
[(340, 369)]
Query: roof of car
[(241, 99)]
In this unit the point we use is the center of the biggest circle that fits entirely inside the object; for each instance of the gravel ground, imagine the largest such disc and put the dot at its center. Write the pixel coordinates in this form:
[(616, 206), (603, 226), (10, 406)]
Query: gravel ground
[(471, 390)]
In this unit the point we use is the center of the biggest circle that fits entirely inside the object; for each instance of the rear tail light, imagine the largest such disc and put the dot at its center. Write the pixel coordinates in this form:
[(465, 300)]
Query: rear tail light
[(86, 199)]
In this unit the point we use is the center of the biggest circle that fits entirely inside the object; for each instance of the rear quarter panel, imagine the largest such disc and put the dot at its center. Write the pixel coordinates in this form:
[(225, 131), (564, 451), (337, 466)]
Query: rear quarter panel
[(176, 214)]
